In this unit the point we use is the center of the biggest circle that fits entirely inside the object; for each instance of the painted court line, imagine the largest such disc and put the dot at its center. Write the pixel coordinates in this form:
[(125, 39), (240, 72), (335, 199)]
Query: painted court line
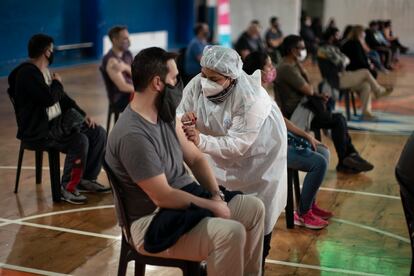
[(23, 168), (321, 188), (322, 268), (22, 221), (31, 270), (8, 221), (62, 229), (66, 212), (373, 229), (358, 192)]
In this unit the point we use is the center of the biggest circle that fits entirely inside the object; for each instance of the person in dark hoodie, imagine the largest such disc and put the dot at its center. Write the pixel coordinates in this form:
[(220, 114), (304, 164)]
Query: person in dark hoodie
[(46, 118)]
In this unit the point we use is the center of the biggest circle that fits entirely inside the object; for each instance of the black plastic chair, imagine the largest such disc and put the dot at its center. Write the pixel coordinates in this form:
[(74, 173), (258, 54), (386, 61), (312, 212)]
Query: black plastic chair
[(330, 73), (128, 251), (54, 168), (293, 184), (112, 109), (54, 162)]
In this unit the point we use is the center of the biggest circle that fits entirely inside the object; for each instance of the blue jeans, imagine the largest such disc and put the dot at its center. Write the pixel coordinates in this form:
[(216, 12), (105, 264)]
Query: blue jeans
[(315, 163)]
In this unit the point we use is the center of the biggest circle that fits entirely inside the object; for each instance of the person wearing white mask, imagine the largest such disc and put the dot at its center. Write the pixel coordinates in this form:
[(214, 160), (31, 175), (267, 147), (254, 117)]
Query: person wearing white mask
[(293, 85), (230, 117)]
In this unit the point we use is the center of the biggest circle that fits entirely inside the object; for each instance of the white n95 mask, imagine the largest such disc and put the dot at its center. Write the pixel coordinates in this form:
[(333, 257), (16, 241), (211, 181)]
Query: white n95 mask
[(210, 88), (303, 54)]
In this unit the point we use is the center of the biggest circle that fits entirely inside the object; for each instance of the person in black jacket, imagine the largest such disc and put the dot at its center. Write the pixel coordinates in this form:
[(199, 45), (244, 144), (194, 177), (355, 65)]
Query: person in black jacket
[(41, 105), (309, 37), (250, 40), (353, 48)]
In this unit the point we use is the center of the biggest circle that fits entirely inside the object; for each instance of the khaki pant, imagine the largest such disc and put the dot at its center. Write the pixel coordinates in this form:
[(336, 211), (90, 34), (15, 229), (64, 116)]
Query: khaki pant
[(230, 246), (362, 82)]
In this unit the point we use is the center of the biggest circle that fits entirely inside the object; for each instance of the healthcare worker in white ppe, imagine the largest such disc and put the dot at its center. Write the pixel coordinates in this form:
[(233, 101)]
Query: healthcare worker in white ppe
[(230, 117)]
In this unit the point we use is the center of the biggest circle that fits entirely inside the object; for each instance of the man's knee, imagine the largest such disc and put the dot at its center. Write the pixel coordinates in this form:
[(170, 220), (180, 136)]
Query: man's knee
[(230, 232), (80, 140), (99, 134), (338, 119), (256, 206)]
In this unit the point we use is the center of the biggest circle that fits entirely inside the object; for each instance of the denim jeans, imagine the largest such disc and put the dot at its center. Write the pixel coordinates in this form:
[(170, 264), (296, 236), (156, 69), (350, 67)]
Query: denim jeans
[(315, 163)]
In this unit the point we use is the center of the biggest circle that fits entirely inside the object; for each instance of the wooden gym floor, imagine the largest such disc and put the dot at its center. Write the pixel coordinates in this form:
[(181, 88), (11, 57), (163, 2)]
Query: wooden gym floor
[(367, 236)]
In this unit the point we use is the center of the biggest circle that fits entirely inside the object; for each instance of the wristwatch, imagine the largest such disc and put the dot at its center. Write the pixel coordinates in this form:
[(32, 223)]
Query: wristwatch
[(218, 193)]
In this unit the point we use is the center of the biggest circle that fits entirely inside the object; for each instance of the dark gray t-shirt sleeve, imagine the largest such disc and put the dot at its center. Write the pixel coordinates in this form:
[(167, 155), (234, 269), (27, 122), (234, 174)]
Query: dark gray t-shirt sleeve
[(139, 157)]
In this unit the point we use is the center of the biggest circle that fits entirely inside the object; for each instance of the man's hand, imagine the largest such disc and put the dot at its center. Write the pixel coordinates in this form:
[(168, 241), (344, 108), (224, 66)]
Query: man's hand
[(91, 123), (216, 197), (221, 210), (192, 134), (56, 76)]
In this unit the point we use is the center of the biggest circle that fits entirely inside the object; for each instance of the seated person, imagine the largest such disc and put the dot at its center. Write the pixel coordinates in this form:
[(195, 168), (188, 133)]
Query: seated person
[(307, 155), (311, 41), (405, 175), (393, 40), (146, 151), (194, 51), (117, 65), (376, 41), (292, 85), (250, 41), (354, 50), (241, 130), (40, 105), (274, 38), (360, 81)]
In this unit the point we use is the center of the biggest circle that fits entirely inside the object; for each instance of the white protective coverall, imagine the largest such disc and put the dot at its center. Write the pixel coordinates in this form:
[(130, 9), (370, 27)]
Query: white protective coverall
[(244, 137)]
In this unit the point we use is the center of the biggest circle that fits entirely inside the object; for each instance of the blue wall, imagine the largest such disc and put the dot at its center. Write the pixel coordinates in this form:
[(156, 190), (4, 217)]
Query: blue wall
[(75, 21)]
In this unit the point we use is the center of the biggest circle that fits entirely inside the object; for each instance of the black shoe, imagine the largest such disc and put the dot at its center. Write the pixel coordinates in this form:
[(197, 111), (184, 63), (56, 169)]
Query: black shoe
[(92, 186), (345, 169), (355, 161)]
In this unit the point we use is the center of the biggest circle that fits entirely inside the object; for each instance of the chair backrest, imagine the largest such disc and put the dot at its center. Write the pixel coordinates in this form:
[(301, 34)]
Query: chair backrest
[(11, 97), (108, 83), (329, 72), (118, 201)]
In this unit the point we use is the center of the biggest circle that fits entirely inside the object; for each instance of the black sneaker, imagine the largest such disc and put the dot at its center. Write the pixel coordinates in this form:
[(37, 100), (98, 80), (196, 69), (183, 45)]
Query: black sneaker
[(355, 161), (92, 186), (72, 197), (345, 169)]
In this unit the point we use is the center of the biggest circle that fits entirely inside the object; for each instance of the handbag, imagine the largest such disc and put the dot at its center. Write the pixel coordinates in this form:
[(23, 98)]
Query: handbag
[(66, 124)]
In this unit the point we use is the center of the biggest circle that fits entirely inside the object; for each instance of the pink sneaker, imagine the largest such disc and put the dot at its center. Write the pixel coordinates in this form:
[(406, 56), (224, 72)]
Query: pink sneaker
[(309, 220), (323, 214)]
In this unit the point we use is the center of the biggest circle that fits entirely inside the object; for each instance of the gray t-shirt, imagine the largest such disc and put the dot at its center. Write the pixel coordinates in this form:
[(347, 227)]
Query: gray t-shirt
[(138, 150), (289, 81)]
